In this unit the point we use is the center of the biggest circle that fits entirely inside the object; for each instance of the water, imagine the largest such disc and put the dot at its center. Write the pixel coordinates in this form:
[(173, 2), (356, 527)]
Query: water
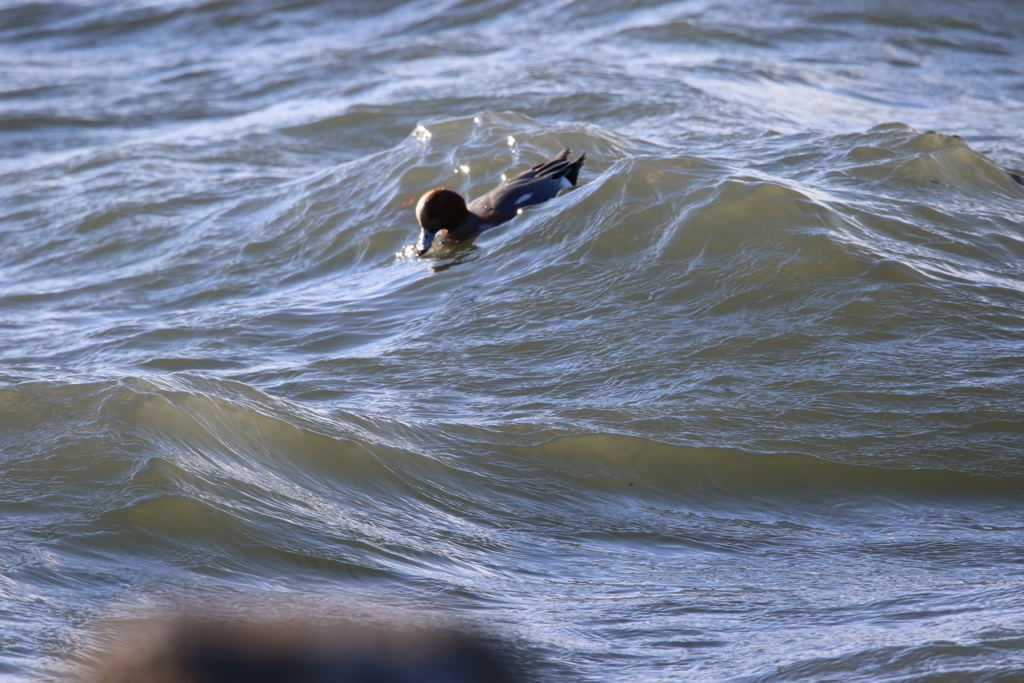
[(746, 405)]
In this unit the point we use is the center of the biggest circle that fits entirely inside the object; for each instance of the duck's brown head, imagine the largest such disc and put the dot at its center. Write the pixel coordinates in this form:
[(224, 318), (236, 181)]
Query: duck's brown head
[(438, 210)]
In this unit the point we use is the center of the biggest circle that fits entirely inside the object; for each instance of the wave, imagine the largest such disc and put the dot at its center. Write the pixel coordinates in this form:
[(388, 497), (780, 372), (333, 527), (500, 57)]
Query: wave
[(766, 308), (192, 439)]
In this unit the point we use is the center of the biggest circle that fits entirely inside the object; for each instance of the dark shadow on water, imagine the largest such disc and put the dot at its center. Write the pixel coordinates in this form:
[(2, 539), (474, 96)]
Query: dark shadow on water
[(454, 256)]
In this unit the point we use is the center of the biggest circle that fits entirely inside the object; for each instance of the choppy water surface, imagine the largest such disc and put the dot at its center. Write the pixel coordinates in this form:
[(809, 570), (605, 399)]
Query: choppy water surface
[(746, 405)]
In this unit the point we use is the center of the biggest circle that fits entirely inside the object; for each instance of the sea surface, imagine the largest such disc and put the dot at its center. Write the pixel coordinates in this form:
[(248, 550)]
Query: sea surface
[(745, 405)]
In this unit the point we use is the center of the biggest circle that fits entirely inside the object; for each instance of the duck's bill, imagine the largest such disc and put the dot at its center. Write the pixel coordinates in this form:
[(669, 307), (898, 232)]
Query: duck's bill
[(426, 239)]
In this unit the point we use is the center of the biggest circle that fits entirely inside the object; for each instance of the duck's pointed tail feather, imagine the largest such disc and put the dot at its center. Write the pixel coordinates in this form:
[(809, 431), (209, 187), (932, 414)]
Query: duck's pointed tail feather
[(574, 168)]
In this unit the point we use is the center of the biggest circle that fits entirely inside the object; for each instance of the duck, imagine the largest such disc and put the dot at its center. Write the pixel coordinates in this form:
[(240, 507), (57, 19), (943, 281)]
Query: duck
[(446, 218)]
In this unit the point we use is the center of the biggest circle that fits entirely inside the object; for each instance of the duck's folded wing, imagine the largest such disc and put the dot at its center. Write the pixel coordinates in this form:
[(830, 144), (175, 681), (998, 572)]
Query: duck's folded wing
[(553, 169)]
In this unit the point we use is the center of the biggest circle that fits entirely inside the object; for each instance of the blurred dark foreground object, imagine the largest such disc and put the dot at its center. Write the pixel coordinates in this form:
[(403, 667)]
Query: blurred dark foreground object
[(207, 651)]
